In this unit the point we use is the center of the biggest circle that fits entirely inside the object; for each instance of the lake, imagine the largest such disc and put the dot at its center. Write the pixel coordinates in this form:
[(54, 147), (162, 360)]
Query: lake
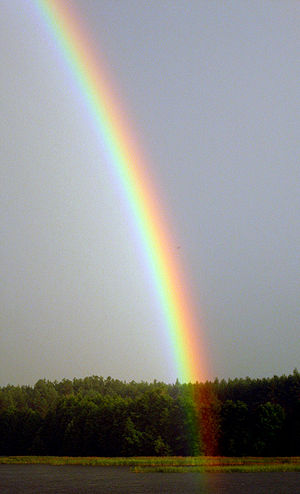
[(75, 479)]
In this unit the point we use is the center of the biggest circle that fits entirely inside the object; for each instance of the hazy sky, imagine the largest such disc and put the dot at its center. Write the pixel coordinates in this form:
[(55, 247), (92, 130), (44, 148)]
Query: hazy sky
[(211, 90)]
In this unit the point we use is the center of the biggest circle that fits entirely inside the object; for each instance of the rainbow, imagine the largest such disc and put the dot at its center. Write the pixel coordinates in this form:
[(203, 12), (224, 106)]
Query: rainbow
[(182, 326)]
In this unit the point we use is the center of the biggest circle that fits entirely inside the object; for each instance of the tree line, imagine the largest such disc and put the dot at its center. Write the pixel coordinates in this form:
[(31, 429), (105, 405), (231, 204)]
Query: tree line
[(94, 416)]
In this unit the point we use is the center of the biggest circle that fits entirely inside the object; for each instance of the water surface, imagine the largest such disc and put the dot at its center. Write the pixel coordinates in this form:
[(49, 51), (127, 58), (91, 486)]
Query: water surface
[(76, 479)]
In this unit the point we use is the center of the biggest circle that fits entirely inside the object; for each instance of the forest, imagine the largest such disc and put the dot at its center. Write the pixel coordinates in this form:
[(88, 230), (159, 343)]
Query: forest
[(94, 416)]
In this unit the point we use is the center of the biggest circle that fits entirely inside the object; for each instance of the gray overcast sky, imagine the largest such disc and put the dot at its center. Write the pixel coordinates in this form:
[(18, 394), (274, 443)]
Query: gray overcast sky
[(211, 88)]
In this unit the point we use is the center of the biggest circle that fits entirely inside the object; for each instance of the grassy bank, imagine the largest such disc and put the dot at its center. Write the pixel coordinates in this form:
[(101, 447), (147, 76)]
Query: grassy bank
[(169, 464)]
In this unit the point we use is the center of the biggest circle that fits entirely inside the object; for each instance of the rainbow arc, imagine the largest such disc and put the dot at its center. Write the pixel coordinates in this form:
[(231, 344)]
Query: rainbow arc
[(182, 326)]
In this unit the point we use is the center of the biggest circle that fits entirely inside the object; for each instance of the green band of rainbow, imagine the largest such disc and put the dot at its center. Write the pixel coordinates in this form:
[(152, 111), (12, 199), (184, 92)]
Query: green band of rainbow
[(184, 332)]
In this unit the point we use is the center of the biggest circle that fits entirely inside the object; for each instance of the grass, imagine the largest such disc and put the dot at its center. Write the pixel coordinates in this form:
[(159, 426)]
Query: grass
[(169, 464)]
